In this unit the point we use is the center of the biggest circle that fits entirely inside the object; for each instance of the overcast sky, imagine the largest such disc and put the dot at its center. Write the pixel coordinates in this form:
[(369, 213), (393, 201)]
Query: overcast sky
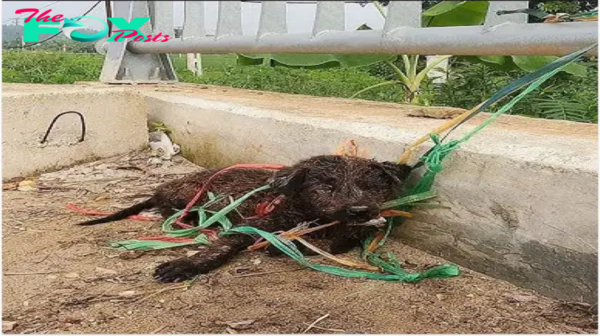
[(299, 17)]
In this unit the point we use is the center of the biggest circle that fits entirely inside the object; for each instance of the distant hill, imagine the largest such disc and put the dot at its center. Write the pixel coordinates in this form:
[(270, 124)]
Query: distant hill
[(12, 34), (15, 32)]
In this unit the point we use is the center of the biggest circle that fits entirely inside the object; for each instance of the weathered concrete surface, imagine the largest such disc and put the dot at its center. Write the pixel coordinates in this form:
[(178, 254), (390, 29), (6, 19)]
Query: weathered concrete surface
[(115, 120), (523, 193)]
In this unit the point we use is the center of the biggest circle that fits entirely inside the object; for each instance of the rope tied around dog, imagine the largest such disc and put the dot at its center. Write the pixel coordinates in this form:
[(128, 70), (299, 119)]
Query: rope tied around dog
[(381, 265)]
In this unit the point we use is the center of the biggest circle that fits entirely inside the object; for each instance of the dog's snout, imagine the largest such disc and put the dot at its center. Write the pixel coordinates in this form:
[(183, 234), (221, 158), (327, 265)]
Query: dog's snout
[(360, 210)]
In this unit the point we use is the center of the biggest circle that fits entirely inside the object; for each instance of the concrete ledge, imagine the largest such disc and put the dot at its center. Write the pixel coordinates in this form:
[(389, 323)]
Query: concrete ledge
[(523, 192), (115, 120)]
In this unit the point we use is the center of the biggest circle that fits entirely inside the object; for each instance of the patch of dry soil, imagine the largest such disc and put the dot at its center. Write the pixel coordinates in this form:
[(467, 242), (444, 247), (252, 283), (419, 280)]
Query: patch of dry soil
[(59, 278)]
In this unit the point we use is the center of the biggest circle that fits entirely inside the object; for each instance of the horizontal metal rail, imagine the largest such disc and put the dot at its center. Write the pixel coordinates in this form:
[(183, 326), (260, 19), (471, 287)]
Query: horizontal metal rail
[(540, 39)]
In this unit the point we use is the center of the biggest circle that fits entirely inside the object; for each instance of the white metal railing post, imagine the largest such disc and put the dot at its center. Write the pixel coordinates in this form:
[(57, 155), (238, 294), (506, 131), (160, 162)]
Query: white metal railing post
[(193, 26), (330, 16), (229, 21), (402, 34), (440, 73), (123, 66)]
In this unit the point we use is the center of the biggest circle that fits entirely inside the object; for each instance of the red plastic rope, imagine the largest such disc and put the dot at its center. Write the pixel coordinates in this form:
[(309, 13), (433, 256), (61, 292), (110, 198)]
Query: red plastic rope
[(262, 209), (204, 188)]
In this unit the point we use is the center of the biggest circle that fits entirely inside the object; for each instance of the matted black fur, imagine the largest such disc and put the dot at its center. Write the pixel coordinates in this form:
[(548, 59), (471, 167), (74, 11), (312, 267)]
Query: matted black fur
[(322, 188)]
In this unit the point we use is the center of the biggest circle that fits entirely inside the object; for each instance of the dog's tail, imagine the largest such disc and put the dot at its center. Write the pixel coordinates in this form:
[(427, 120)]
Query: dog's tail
[(132, 210)]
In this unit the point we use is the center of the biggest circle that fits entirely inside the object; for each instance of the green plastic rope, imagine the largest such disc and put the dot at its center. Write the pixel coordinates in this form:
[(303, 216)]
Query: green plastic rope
[(385, 261), (434, 157), (396, 273)]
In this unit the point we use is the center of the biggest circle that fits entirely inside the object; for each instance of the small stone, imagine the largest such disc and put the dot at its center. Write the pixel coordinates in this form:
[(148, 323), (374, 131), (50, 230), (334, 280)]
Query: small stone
[(440, 296), (129, 312), (256, 261), (8, 325), (101, 198), (519, 298), (26, 303), (154, 161), (27, 185), (127, 255), (470, 296), (129, 293), (240, 325), (105, 271), (497, 330), (71, 275), (161, 301), (191, 253)]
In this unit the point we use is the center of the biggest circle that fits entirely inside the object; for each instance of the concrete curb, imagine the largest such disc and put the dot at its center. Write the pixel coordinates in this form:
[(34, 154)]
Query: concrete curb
[(523, 193), (523, 201)]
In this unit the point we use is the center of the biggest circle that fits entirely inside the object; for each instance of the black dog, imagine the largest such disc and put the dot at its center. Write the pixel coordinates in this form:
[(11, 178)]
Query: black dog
[(322, 188)]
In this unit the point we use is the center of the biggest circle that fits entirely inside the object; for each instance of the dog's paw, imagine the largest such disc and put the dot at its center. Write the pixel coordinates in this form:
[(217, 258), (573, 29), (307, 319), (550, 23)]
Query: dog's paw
[(273, 251), (176, 271)]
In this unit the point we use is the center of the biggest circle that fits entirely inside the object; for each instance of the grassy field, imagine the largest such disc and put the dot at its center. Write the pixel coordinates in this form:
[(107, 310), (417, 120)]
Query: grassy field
[(563, 97)]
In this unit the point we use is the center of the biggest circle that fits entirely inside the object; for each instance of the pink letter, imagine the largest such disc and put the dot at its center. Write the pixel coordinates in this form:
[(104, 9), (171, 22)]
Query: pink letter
[(25, 10)]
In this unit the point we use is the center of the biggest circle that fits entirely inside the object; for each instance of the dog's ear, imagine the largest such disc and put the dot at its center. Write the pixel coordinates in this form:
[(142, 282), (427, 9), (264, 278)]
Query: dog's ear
[(288, 180), (397, 171)]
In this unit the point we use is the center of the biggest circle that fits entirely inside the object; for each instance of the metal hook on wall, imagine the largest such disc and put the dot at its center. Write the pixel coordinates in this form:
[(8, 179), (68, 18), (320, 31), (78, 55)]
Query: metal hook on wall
[(58, 116)]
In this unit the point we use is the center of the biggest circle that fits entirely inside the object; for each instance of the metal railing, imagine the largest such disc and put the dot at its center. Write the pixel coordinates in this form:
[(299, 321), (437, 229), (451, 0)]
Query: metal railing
[(148, 62)]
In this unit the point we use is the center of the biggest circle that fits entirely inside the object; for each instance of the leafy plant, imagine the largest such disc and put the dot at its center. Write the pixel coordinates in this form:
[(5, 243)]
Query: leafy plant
[(445, 13), (563, 97), (410, 79), (563, 110)]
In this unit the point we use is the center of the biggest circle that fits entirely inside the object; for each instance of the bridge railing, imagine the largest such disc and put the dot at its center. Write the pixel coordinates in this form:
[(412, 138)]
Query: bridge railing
[(148, 62)]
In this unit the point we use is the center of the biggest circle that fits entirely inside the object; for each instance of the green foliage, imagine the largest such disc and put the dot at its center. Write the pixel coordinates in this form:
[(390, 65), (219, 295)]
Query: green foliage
[(49, 67), (446, 13), (455, 13), (562, 97), (569, 7), (325, 83), (209, 62), (311, 61)]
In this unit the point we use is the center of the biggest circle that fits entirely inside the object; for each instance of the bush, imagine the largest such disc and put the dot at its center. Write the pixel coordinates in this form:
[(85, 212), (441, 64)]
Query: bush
[(563, 96)]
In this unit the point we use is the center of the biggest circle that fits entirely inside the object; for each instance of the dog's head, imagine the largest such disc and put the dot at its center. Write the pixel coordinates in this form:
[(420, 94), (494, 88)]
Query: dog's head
[(348, 189)]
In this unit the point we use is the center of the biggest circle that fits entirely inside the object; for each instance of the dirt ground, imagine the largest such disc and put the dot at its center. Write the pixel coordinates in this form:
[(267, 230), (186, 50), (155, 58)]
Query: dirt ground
[(59, 278)]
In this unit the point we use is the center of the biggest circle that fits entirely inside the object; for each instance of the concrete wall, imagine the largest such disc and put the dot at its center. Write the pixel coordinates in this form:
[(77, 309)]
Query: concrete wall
[(523, 194), (115, 120)]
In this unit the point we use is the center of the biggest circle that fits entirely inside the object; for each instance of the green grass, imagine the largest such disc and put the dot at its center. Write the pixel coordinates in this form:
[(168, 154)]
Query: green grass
[(563, 97), (47, 67), (209, 62), (324, 83)]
